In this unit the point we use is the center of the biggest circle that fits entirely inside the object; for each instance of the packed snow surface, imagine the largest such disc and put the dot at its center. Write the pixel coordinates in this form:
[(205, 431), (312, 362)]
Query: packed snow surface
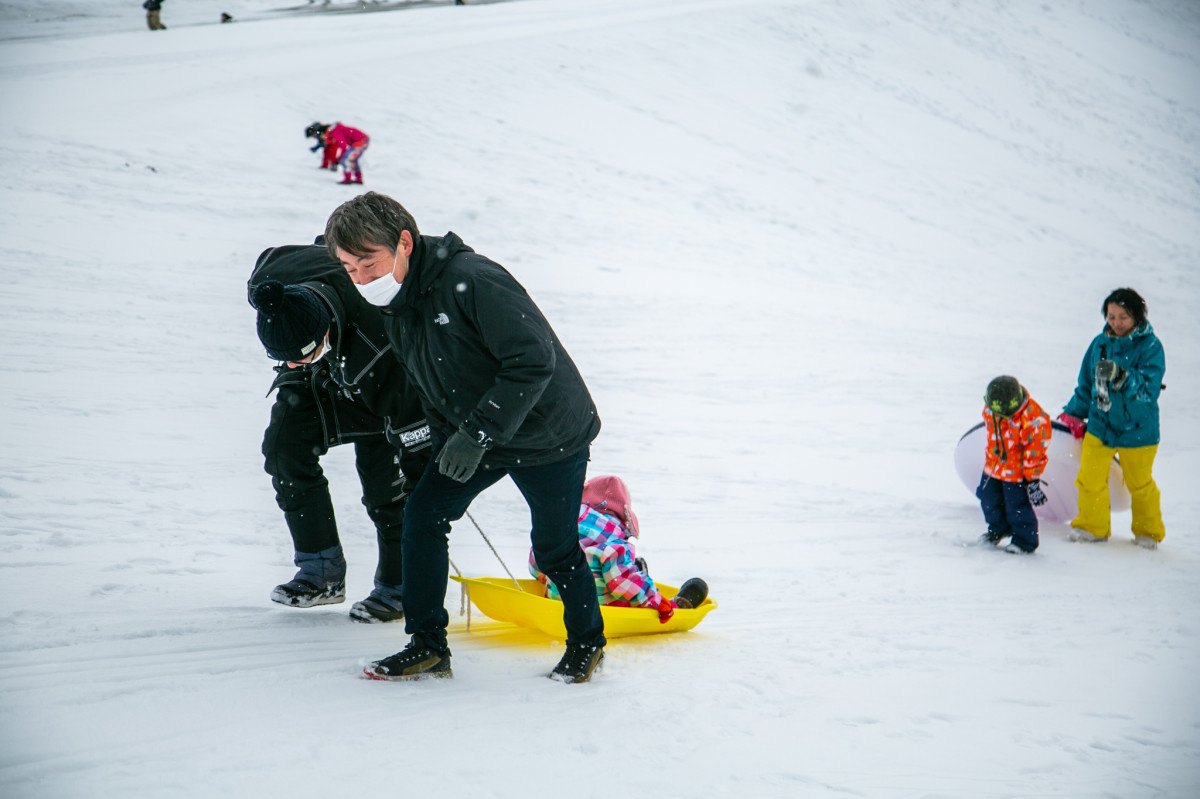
[(788, 243)]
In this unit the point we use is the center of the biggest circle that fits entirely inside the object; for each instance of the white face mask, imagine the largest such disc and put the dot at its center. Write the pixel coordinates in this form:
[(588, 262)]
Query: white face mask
[(382, 290), (324, 349)]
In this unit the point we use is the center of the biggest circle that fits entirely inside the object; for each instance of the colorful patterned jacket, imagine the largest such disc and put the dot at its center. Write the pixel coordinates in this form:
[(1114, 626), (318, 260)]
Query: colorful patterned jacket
[(608, 529), (612, 557), (1016, 446)]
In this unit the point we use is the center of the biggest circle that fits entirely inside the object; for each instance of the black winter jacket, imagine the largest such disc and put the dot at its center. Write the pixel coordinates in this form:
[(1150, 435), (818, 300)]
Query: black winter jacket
[(485, 359), (361, 360)]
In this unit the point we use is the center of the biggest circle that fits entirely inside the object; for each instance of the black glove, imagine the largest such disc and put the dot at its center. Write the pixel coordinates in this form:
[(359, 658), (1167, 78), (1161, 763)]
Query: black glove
[(460, 457), (1033, 489), (1110, 371)]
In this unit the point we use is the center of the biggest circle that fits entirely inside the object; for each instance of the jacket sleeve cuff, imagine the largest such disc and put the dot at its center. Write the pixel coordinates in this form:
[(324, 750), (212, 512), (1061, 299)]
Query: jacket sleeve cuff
[(477, 434)]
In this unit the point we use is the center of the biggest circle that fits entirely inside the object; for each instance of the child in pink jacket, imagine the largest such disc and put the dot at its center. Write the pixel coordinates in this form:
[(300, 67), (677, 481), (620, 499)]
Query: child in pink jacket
[(350, 143), (608, 531)]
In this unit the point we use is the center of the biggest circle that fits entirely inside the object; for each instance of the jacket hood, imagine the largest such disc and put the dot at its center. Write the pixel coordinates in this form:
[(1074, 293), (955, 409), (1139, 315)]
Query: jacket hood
[(429, 258), (609, 495), (1141, 330)]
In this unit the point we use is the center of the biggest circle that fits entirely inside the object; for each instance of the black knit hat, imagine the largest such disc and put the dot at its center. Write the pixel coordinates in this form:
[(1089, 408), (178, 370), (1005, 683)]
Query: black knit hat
[(1004, 396), (292, 320)]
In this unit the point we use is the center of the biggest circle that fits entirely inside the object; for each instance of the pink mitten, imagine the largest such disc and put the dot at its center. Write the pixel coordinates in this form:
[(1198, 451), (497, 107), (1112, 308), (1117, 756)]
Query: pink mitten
[(1078, 426)]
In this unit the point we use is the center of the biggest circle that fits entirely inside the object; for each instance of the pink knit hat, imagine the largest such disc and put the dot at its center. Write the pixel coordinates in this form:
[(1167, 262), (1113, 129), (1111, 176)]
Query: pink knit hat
[(609, 495)]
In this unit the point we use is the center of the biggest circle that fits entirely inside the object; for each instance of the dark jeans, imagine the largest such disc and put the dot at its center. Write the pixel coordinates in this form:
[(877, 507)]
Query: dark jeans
[(308, 419), (553, 491), (1007, 511)]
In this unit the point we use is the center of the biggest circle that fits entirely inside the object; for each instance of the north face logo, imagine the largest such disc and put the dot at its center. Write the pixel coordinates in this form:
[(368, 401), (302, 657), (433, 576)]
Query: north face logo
[(441, 319)]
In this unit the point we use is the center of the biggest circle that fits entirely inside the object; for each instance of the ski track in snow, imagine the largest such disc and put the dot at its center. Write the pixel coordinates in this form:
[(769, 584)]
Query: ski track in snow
[(788, 242)]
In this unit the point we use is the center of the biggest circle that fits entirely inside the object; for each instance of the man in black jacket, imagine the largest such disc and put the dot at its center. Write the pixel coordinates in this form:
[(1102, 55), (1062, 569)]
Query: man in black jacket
[(339, 383), (502, 398)]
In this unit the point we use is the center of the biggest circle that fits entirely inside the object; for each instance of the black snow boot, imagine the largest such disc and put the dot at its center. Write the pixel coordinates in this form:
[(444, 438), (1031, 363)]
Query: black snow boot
[(413, 662), (578, 663), (320, 581), (992, 538), (383, 605), (691, 594), (303, 594)]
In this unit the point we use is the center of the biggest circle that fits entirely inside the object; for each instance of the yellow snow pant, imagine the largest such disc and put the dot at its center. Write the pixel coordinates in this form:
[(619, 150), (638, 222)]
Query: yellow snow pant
[(1092, 482)]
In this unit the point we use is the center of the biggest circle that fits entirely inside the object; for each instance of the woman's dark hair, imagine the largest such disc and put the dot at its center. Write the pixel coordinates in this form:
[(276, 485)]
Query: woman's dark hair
[(1128, 299)]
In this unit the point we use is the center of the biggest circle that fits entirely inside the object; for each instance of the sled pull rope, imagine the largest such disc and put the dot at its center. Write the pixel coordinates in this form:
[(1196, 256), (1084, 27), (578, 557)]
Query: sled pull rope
[(494, 552), (463, 605)]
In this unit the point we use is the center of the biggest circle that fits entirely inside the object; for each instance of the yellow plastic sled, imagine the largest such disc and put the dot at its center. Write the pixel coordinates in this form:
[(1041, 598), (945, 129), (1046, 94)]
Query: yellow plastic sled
[(500, 600)]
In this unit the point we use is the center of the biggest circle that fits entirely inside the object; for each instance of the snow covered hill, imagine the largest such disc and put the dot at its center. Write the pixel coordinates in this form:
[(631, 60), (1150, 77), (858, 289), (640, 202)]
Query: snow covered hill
[(788, 242)]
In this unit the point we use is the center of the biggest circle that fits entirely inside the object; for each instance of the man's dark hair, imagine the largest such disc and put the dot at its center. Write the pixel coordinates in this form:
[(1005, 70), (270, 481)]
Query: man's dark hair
[(369, 220), (1131, 301)]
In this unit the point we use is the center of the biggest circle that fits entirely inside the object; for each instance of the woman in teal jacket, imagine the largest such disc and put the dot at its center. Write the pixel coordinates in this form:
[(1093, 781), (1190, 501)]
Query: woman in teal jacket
[(1116, 402)]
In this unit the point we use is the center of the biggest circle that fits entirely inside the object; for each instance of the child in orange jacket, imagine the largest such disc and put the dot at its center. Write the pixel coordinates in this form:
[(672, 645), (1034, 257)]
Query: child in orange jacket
[(1018, 432)]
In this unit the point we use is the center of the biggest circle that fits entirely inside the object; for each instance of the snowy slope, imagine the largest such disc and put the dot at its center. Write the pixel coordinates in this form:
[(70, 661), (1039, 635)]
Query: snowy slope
[(787, 242)]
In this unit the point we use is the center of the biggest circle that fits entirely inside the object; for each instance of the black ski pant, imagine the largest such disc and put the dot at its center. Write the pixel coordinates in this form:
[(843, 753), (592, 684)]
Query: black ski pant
[(308, 418), (554, 492)]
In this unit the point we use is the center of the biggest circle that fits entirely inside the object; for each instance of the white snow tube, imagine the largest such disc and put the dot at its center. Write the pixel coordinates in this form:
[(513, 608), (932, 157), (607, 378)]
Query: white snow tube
[(1058, 480)]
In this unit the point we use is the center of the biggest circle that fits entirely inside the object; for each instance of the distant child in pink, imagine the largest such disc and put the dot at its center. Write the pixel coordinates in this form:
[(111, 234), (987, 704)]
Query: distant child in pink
[(350, 142)]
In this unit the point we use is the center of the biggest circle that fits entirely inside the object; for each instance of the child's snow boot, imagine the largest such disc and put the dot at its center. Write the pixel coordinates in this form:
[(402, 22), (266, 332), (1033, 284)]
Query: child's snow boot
[(992, 539), (691, 594)]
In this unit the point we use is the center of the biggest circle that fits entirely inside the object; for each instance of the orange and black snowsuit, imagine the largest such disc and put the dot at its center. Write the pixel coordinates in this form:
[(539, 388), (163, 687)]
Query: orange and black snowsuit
[(1016, 454), (1016, 446)]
